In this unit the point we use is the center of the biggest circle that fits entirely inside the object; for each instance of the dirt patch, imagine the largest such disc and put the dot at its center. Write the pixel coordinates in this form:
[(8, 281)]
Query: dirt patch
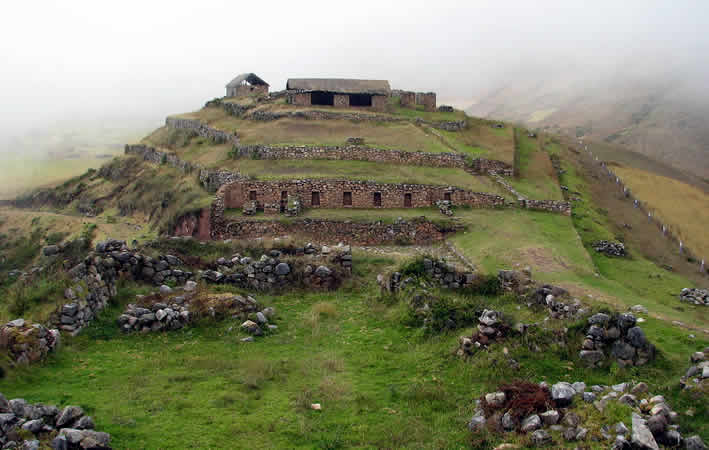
[(541, 258)]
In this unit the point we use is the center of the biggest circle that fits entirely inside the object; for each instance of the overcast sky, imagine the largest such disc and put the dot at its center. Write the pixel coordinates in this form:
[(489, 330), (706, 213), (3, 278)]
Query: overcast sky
[(147, 58)]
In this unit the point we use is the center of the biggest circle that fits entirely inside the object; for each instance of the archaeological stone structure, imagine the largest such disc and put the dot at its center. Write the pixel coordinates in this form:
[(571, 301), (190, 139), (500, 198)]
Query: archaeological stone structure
[(246, 84), (321, 193), (338, 92)]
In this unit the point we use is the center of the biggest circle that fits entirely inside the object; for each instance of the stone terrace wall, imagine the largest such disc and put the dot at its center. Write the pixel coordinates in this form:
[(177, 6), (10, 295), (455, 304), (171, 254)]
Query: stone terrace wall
[(547, 205), (212, 180), (352, 152), (331, 194), (355, 116), (152, 155), (218, 136), (376, 233), (489, 166)]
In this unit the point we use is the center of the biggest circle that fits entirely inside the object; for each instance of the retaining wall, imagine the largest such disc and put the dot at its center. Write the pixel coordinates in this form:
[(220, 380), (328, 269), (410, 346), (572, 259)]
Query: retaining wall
[(217, 136)]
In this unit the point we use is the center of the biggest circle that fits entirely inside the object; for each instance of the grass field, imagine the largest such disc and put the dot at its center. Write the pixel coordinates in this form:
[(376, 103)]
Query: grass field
[(684, 208), (381, 383), (535, 176)]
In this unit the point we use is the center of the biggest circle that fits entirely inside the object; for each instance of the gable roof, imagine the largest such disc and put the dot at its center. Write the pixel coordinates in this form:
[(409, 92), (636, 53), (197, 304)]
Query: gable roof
[(250, 78), (340, 85)]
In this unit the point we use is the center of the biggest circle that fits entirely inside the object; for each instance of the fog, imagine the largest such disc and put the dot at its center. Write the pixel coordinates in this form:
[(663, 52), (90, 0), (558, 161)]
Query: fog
[(140, 60)]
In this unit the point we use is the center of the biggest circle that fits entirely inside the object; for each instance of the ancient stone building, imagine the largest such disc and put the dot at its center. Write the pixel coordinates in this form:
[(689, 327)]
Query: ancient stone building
[(272, 196), (340, 93), (411, 99), (246, 84)]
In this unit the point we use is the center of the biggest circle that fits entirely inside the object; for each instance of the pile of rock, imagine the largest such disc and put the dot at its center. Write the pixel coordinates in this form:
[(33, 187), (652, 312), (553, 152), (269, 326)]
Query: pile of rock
[(698, 373), (445, 207), (439, 271), (258, 322), (490, 328), (171, 315), (355, 141), (609, 248), (515, 281), (293, 206), (616, 336), (550, 297), (271, 271), (538, 410), (695, 296), (27, 342), (68, 428), (250, 208)]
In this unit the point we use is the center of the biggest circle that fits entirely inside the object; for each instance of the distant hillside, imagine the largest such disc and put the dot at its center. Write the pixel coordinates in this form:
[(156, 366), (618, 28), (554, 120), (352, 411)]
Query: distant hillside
[(668, 121)]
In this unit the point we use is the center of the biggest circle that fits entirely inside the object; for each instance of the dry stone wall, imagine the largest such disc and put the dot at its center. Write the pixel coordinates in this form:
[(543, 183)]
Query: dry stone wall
[(554, 206), (152, 155), (215, 135), (26, 342), (315, 193)]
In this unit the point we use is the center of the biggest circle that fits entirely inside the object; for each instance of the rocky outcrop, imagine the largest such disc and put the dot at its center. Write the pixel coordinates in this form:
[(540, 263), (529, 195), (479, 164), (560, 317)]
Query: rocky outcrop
[(26, 342), (609, 248), (699, 297), (618, 337), (30, 426)]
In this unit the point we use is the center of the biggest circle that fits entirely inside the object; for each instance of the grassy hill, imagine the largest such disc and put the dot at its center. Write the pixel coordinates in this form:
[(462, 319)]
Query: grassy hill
[(384, 379)]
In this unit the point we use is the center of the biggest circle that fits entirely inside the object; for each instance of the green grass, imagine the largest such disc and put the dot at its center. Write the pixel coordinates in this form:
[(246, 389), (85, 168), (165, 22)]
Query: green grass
[(395, 108), (534, 174), (381, 384), (357, 215), (360, 170)]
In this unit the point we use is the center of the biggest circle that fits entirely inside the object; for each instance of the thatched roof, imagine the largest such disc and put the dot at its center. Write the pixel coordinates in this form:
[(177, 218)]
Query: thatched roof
[(339, 85), (250, 78)]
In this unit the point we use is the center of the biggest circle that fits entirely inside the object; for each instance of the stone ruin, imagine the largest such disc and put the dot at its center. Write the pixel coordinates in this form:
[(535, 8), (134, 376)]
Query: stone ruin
[(441, 272), (609, 248), (445, 207), (27, 426), (306, 267), (536, 409), (26, 342), (698, 373), (491, 327), (699, 297), (618, 337)]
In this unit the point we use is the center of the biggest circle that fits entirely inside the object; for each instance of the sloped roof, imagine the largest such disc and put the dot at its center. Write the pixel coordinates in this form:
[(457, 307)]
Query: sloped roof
[(250, 78), (340, 85)]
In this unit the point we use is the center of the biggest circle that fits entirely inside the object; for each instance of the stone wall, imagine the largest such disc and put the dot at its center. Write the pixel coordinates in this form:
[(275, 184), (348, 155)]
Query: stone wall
[(341, 101), (212, 180), (352, 152), (243, 90), (618, 337), (298, 98), (152, 155), (428, 100), (554, 206), (437, 270), (26, 342), (316, 193), (375, 233), (215, 135), (408, 99), (94, 281), (480, 166)]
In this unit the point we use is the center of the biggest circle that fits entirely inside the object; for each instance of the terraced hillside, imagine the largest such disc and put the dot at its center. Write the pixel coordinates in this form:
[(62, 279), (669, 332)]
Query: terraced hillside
[(356, 280)]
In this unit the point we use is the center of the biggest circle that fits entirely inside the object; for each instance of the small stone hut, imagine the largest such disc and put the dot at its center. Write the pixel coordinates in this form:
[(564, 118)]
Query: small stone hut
[(246, 84), (338, 92)]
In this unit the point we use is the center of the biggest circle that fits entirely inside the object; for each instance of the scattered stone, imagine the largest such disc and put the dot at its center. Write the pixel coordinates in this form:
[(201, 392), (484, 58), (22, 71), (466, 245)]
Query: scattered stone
[(541, 438), (641, 436), (562, 393), (610, 248), (694, 296)]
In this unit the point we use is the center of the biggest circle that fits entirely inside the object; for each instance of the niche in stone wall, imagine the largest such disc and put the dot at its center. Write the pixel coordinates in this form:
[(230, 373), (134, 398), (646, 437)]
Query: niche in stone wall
[(447, 196), (360, 100), (347, 199), (322, 98), (377, 199), (315, 199), (252, 196), (407, 200)]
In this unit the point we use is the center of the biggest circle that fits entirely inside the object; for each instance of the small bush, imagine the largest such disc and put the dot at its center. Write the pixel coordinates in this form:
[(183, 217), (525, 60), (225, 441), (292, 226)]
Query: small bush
[(487, 285), (414, 268)]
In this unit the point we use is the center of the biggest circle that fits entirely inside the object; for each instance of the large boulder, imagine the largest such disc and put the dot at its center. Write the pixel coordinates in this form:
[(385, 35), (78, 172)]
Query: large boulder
[(562, 393), (642, 437)]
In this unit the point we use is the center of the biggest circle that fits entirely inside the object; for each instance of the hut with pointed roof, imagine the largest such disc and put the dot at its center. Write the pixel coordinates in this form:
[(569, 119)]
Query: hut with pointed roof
[(246, 84)]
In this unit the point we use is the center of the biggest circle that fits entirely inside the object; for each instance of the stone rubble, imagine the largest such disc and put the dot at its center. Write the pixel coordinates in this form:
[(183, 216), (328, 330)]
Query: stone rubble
[(29, 426), (618, 337), (609, 248), (653, 422), (697, 375), (699, 297), (26, 342)]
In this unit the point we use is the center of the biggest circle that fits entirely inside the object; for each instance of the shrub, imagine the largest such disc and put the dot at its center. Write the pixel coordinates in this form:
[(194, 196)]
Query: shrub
[(488, 285), (56, 237), (414, 268)]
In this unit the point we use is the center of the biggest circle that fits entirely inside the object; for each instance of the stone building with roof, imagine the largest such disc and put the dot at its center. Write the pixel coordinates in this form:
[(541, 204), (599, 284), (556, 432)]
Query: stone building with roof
[(338, 92), (246, 84)]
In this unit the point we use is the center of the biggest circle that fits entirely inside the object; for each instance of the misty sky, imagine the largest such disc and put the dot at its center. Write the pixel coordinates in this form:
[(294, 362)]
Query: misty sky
[(94, 58)]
